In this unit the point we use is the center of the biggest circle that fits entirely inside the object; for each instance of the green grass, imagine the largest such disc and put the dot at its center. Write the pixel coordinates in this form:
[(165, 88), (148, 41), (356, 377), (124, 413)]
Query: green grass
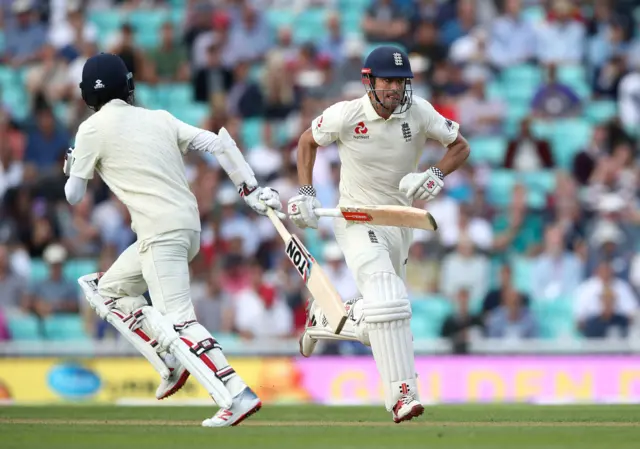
[(308, 427)]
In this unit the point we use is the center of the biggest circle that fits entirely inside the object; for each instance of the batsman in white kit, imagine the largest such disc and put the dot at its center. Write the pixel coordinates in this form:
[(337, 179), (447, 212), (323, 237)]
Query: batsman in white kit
[(380, 138), (138, 154)]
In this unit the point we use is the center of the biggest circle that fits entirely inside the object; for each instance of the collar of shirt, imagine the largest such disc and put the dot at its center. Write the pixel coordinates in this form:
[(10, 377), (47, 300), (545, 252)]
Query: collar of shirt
[(371, 113)]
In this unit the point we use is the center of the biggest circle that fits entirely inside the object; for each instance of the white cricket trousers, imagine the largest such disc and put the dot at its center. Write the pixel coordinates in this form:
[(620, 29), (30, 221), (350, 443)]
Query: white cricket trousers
[(159, 264), (373, 249)]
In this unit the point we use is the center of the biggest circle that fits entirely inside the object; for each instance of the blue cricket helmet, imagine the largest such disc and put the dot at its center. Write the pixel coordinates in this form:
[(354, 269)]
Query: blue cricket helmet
[(388, 61), (105, 77)]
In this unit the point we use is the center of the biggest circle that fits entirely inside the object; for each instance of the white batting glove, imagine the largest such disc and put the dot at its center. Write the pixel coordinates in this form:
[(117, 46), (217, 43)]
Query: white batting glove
[(422, 186), (68, 162), (301, 208), (261, 198)]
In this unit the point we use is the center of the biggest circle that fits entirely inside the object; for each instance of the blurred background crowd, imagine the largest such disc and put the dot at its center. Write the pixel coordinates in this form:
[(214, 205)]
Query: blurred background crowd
[(538, 230)]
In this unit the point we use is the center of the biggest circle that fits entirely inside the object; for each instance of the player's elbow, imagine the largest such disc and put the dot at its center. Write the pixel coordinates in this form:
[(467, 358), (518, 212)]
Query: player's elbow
[(307, 142), (461, 147)]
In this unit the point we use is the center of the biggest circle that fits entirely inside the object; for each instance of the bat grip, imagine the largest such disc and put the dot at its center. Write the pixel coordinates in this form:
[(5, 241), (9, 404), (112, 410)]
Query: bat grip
[(324, 212)]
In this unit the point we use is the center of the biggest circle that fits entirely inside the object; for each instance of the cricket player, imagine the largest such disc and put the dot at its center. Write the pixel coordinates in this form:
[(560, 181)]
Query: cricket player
[(380, 138), (138, 153)]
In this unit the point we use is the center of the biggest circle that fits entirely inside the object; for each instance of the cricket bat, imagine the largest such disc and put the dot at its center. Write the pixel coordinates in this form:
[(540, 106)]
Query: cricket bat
[(323, 292), (397, 216)]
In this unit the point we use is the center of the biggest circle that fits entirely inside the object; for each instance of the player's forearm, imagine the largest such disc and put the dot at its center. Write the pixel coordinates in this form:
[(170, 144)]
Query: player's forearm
[(74, 189), (455, 156), (231, 159), (307, 149)]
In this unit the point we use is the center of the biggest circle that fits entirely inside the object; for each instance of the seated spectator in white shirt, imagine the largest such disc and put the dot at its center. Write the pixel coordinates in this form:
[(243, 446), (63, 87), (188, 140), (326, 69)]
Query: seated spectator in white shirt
[(561, 38), (476, 269), (512, 38), (260, 311), (603, 301)]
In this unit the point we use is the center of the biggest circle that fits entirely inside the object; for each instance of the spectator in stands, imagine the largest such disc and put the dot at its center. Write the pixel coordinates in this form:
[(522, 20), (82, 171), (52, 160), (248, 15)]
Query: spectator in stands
[(422, 269), (111, 220), (511, 319), (49, 76), (54, 294), (519, 229), (628, 94), (168, 62), (609, 42), (496, 296), (25, 35), (11, 166), (606, 83), (123, 45), (80, 236), (461, 223), (333, 45), (613, 178), (69, 35), (604, 301), (561, 38), (456, 326), (47, 142), (245, 98), (462, 24), (512, 38), (249, 38), (385, 21), (557, 272), (585, 161), (476, 268), (555, 99), (260, 310), (478, 114), (213, 306), (427, 44), (13, 288), (608, 243), (526, 152)]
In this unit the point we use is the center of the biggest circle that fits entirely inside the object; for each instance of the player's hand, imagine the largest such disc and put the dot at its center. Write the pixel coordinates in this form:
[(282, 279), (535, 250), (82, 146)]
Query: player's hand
[(301, 208), (422, 186), (261, 198), (68, 162)]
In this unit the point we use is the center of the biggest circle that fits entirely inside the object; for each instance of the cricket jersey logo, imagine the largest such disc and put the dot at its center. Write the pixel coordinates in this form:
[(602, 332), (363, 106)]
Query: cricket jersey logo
[(361, 130), (406, 132), (302, 260)]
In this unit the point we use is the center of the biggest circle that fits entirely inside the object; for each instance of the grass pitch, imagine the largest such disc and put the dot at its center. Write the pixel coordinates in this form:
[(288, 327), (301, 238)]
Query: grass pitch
[(310, 427)]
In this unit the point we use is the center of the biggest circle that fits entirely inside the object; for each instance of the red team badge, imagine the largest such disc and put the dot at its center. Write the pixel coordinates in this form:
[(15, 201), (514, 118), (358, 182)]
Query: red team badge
[(361, 128)]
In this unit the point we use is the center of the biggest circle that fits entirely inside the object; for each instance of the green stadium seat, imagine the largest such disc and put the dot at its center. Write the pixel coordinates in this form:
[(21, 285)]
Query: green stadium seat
[(601, 111), (107, 21), (191, 113), (16, 99), (76, 268), (360, 5), (251, 132), (516, 112), (494, 90), (147, 39), (488, 149), (280, 18), (501, 183), (555, 318), (178, 17), (429, 312), (569, 137), (146, 95), (24, 328), (525, 73), (521, 269), (534, 13), (64, 327)]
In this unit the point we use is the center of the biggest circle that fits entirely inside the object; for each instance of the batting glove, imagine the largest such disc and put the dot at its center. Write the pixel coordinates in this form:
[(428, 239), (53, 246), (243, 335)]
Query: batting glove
[(422, 186), (301, 208), (68, 162), (261, 198)]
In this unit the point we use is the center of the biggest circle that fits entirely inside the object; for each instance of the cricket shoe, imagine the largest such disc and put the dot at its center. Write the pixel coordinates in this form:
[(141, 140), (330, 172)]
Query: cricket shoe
[(176, 380), (314, 316), (245, 404), (406, 409)]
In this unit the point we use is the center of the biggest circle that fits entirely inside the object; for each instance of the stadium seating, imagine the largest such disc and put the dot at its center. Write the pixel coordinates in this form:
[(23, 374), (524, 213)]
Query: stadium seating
[(429, 313), (64, 327), (490, 150), (555, 318), (24, 328)]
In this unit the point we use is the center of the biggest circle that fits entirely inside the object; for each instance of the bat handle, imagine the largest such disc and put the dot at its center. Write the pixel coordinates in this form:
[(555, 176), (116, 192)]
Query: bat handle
[(324, 212)]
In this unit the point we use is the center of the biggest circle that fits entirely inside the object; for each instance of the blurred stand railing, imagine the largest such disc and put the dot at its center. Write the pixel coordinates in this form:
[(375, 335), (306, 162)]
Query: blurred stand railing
[(289, 347)]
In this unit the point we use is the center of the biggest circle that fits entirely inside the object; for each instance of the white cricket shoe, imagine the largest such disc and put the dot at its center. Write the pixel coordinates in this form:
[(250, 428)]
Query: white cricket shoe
[(407, 408), (176, 381), (306, 342), (245, 404)]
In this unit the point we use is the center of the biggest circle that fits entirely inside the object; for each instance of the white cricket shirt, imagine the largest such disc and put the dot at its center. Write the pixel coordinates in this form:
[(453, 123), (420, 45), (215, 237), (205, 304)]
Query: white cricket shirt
[(138, 153), (376, 153)]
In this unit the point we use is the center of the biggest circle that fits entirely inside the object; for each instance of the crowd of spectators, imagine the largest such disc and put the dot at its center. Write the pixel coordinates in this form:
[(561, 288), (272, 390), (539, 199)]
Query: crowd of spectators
[(494, 259)]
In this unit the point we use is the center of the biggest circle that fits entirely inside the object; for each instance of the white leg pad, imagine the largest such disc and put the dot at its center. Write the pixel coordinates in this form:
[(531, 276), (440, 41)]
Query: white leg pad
[(127, 322), (387, 316), (189, 356)]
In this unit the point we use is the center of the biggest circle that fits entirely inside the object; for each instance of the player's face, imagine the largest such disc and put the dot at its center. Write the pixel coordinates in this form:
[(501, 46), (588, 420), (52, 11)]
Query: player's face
[(390, 91)]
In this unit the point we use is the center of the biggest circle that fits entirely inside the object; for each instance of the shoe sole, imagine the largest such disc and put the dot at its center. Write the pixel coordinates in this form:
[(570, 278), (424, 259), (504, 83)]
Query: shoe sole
[(416, 411), (177, 386), (251, 412)]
